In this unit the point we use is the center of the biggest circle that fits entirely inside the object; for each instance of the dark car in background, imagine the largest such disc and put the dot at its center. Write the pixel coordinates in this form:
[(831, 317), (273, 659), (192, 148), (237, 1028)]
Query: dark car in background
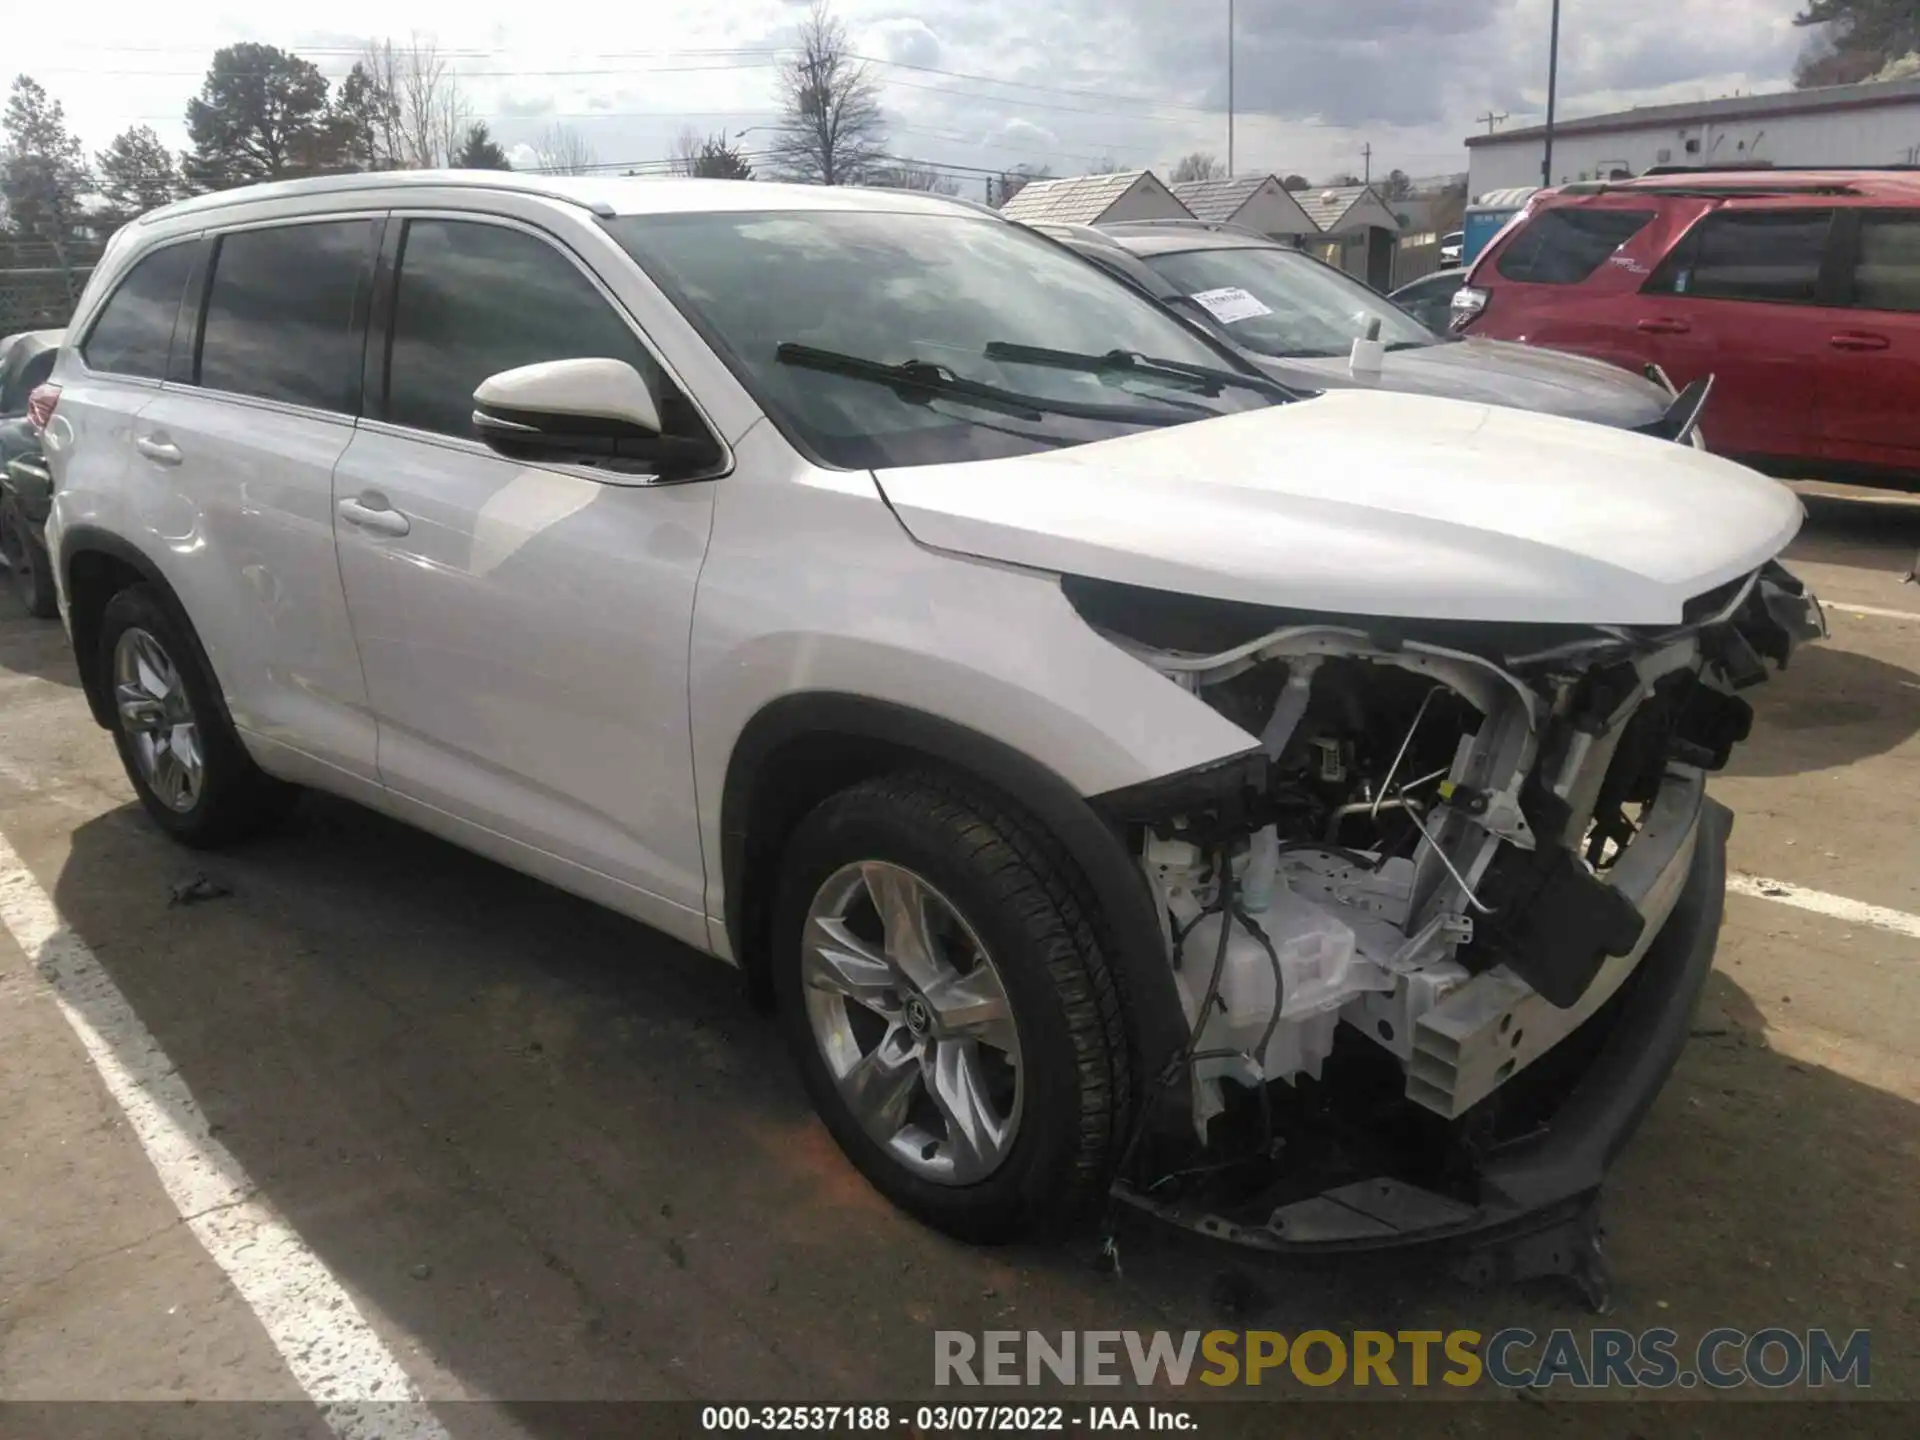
[(26, 490), (1798, 291), (1430, 298), (1298, 317)]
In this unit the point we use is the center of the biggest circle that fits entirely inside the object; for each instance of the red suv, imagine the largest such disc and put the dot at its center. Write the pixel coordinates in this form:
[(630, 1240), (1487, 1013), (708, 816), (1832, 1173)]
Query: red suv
[(1798, 291)]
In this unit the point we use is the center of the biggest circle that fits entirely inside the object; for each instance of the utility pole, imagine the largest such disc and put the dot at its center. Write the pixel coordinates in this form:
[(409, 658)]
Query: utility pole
[(1490, 120), (1366, 156), (1553, 85), (1229, 89)]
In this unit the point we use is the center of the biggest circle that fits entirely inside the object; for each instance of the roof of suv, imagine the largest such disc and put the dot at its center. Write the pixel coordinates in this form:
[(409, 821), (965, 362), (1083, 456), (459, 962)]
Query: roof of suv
[(604, 195), (1900, 184), (1166, 237)]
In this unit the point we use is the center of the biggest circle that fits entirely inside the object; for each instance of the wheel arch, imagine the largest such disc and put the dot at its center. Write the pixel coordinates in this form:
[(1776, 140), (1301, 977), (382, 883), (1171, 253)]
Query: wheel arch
[(801, 748), (94, 566)]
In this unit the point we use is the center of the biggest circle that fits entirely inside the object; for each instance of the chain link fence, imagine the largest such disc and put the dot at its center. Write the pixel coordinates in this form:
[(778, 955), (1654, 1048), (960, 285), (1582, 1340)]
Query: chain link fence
[(40, 283)]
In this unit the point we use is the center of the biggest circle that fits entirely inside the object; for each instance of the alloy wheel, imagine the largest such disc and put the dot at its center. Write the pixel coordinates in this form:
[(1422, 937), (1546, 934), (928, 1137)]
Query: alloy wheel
[(158, 720), (913, 1022)]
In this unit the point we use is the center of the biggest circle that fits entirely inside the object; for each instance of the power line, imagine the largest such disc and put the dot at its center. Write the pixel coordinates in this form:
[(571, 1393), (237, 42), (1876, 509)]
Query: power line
[(774, 52)]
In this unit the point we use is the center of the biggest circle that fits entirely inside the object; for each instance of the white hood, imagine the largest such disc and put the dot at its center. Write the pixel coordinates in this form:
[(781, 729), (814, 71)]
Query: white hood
[(1371, 503)]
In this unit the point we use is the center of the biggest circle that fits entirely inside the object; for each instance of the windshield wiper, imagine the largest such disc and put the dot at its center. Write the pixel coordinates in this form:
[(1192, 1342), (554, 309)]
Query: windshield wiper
[(1205, 379), (917, 381)]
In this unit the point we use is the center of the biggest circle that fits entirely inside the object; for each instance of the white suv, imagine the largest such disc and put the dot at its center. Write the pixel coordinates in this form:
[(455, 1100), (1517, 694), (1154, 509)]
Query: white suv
[(1125, 774)]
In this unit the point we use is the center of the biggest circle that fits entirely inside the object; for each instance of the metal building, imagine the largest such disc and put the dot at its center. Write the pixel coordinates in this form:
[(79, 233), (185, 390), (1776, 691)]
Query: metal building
[(1871, 124)]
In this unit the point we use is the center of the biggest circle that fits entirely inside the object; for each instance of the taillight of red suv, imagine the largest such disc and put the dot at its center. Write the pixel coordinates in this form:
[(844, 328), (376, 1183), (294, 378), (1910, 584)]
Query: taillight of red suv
[(1468, 305), (40, 405)]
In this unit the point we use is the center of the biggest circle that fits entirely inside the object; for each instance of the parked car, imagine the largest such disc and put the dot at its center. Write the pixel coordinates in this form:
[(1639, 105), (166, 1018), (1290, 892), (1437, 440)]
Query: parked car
[(26, 360), (1102, 757), (1430, 298), (1798, 291), (1297, 318), (1450, 245)]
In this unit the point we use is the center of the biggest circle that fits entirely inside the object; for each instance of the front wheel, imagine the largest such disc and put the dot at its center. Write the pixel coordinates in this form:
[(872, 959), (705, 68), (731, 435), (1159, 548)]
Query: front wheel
[(950, 1010)]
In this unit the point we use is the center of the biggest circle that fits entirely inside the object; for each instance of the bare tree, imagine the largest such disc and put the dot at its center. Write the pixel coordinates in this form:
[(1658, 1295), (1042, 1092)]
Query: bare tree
[(1197, 166), (685, 153), (370, 106), (563, 150), (913, 175), (434, 115), (1105, 165), (832, 132)]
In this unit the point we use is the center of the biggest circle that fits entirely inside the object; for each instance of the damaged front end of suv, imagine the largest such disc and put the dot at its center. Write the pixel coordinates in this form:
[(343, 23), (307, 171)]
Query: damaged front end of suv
[(1439, 933)]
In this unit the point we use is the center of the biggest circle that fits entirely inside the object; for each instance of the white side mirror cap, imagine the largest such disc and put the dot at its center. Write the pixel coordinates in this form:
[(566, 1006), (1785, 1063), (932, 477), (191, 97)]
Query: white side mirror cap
[(596, 389)]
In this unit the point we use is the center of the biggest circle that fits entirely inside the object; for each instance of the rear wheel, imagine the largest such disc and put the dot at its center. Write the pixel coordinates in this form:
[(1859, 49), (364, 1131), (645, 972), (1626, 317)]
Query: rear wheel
[(180, 751), (949, 1008), (29, 572)]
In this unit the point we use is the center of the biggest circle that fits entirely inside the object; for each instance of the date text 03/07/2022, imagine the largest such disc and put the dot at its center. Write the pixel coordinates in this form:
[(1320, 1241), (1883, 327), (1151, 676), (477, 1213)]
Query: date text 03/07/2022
[(940, 1419)]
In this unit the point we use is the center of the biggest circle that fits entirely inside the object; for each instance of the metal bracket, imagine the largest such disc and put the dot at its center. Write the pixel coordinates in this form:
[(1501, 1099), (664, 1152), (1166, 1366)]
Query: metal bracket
[(1571, 1247)]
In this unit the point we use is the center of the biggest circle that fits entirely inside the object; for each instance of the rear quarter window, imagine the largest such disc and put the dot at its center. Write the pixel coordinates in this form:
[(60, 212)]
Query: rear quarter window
[(135, 328), (1564, 245)]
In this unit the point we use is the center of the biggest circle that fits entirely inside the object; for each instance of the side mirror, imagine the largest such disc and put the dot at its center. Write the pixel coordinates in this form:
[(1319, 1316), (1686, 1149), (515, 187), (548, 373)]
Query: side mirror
[(586, 411)]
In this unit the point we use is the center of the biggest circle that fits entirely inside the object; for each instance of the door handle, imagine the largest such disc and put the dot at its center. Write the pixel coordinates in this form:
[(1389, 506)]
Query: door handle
[(382, 520), (1664, 325), (158, 449), (1859, 340)]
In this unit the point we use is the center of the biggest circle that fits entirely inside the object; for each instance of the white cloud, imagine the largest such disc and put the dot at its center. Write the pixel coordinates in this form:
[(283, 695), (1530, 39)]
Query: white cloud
[(1061, 83), (908, 41)]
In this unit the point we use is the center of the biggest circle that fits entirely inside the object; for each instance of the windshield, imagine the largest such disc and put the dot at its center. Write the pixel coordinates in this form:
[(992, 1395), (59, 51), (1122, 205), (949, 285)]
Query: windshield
[(926, 291), (1282, 303)]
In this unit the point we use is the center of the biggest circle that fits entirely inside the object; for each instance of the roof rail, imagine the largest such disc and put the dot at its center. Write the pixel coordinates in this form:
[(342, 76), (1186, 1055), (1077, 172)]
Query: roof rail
[(1750, 166), (372, 180), (1181, 222), (979, 205)]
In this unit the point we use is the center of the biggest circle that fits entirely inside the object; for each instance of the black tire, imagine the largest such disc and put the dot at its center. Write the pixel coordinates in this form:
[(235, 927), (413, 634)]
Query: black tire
[(234, 797), (1006, 879), (29, 571)]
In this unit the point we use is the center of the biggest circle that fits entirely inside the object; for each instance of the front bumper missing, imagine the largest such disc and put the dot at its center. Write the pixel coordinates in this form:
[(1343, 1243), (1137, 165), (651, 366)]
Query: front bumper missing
[(1534, 1213)]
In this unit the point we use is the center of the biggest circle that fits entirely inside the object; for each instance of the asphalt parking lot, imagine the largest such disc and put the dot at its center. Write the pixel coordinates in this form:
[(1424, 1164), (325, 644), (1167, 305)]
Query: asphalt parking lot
[(550, 1155)]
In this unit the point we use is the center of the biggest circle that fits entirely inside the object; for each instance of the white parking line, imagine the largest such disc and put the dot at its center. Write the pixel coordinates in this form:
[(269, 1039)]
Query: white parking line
[(1836, 907), (1849, 607), (334, 1355)]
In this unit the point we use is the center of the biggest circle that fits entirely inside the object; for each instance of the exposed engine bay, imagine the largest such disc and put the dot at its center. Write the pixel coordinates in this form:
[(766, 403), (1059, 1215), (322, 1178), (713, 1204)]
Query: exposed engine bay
[(1450, 847)]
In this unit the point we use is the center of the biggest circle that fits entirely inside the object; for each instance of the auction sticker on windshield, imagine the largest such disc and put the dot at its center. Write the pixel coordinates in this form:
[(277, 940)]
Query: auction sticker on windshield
[(1230, 303)]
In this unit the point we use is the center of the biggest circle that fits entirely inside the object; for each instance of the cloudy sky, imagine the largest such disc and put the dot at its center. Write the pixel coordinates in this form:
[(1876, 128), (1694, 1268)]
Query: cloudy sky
[(973, 83)]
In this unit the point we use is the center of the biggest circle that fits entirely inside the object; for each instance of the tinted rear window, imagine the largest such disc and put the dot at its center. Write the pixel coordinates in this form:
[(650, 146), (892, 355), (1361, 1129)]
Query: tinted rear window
[(1886, 272), (135, 329), (1563, 246), (1767, 255), (280, 321)]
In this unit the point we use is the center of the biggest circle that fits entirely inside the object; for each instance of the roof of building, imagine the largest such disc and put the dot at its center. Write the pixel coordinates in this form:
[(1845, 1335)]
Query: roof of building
[(1329, 205), (1733, 107), (1076, 200), (1217, 199)]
